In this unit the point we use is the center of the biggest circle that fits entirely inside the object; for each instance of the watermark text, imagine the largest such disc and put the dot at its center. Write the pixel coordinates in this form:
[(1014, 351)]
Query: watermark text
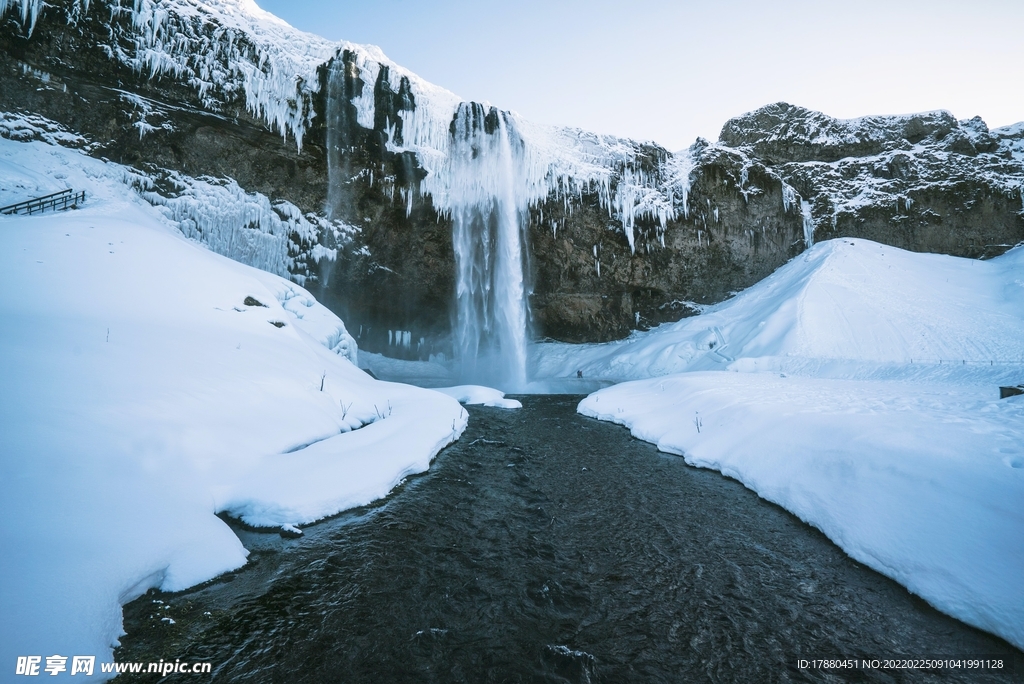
[(33, 666)]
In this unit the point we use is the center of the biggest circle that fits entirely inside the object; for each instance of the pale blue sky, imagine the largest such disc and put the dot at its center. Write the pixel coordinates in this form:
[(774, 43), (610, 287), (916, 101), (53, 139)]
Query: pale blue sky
[(670, 71)]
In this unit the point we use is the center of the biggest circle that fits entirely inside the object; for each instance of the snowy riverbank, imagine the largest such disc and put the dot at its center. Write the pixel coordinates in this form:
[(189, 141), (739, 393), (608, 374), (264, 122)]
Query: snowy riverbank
[(149, 384), (858, 388)]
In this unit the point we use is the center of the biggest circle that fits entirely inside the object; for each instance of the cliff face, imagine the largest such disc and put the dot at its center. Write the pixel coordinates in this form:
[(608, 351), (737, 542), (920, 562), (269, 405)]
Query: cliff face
[(329, 163)]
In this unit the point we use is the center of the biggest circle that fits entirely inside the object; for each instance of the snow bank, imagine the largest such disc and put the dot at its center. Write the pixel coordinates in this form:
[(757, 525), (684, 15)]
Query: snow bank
[(148, 384), (477, 394), (863, 398), (844, 308), (922, 482)]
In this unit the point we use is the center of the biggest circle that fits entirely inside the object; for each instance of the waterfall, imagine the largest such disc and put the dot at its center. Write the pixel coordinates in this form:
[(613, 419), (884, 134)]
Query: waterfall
[(481, 183), (488, 204), (484, 169)]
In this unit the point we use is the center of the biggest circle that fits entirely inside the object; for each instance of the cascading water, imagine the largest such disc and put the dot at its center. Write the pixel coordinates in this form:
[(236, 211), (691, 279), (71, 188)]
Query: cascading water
[(488, 206)]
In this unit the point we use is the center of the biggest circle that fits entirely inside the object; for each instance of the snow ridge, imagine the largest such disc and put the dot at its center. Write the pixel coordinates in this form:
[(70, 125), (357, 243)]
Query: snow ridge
[(847, 308)]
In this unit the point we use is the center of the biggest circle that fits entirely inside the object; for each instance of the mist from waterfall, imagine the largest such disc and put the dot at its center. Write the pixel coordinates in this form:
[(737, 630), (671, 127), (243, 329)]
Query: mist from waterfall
[(487, 196)]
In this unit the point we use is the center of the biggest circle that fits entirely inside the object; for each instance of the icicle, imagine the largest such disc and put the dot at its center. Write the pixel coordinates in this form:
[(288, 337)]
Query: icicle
[(788, 196), (805, 209), (744, 177)]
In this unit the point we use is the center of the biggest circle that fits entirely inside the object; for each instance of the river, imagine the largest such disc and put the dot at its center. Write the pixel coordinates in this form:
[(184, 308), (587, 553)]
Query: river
[(548, 547)]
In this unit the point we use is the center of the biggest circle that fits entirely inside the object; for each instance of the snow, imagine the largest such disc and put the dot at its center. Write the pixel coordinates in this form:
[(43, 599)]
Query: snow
[(477, 394), (244, 226), (846, 307), (782, 122), (143, 395), (24, 127), (922, 482), (857, 387), (433, 373), (1011, 140)]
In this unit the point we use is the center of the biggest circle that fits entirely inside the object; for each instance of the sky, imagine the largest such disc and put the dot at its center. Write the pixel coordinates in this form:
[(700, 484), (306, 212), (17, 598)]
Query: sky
[(672, 71)]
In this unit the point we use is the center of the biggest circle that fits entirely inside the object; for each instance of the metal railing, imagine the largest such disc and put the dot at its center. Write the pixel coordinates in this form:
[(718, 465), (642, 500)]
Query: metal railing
[(65, 199)]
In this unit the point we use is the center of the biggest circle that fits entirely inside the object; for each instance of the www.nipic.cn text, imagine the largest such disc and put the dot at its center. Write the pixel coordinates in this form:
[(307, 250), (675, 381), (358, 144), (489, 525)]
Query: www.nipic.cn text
[(31, 666)]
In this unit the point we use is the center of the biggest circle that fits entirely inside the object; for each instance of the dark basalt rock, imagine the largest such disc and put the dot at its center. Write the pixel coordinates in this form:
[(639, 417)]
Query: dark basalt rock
[(782, 132)]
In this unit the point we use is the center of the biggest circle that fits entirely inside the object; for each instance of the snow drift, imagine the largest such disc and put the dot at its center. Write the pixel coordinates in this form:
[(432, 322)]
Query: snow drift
[(844, 308)]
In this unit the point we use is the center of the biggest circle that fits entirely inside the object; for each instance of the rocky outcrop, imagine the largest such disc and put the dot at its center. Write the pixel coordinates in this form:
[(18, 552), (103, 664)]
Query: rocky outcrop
[(341, 154), (923, 182)]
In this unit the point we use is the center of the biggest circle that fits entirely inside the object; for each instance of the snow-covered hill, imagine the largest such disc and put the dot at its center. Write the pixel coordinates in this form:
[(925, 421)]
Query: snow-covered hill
[(845, 308), (149, 384)]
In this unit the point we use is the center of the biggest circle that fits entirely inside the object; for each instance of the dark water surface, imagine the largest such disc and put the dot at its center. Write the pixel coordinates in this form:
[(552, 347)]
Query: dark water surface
[(549, 547)]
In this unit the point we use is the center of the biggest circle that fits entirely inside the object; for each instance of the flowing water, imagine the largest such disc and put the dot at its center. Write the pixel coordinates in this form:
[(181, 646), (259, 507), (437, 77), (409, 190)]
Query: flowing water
[(488, 205), (549, 547)]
